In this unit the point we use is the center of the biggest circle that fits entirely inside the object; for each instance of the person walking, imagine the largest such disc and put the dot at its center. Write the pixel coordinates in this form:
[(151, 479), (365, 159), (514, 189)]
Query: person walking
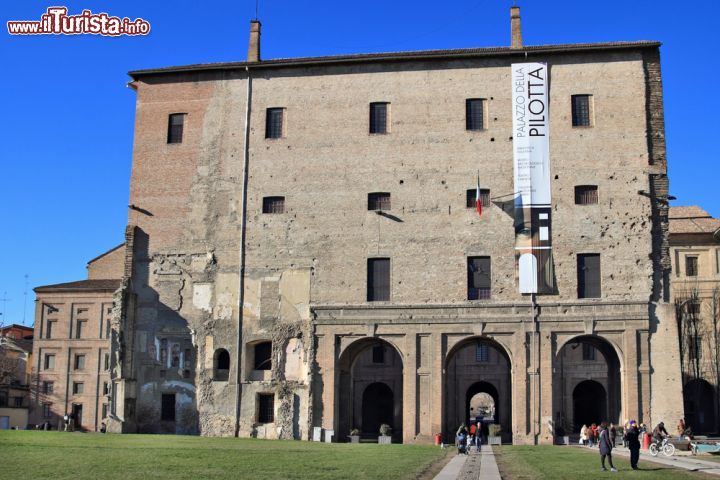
[(478, 436), (632, 438), (605, 447), (471, 437), (584, 435), (594, 434), (613, 434)]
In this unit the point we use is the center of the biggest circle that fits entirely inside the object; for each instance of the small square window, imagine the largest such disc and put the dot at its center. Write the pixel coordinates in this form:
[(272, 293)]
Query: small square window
[(266, 408), (175, 127), (378, 117), (581, 111), (472, 193), (79, 362), (78, 388), (49, 361), (474, 114), (48, 387), (274, 122), (691, 266), (273, 204), (379, 201), (586, 195)]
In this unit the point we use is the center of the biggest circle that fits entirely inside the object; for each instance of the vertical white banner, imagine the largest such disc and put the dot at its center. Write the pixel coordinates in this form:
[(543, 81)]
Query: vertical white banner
[(531, 150)]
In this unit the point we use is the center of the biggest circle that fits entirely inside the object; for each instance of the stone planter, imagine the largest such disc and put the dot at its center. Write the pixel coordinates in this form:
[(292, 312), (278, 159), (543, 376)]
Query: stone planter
[(354, 438), (384, 439), (494, 440)]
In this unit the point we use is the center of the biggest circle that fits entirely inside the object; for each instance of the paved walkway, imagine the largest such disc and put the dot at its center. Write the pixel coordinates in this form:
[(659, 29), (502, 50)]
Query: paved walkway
[(687, 462), (475, 466)]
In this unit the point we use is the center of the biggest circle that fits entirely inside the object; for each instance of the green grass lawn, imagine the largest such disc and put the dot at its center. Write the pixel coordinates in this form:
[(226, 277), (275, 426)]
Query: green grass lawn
[(59, 455), (550, 462)]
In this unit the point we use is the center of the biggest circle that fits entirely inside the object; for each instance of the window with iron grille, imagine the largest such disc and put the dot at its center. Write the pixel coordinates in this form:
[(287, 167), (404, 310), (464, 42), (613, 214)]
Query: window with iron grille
[(273, 204), (47, 410), (588, 351), (175, 127), (167, 407), (586, 194), (479, 277), (49, 361), (78, 388), (266, 408), (79, 362), (379, 201), (274, 122), (378, 279), (691, 266), (263, 356), (378, 117), (484, 197), (588, 272), (581, 110), (482, 353), (474, 116), (378, 354)]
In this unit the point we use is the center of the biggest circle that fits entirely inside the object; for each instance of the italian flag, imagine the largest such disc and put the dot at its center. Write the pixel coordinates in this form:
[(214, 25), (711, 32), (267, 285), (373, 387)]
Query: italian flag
[(478, 203)]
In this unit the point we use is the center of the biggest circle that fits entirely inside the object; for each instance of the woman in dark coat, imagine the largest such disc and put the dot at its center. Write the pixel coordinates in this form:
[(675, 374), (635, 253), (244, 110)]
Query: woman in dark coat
[(632, 437), (605, 447)]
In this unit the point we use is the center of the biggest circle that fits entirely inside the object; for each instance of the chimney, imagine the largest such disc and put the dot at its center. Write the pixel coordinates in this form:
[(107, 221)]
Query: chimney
[(516, 32), (254, 44)]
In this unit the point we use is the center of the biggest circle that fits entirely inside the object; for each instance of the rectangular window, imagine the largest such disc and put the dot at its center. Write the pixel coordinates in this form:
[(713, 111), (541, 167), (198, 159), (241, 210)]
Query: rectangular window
[(482, 353), (694, 350), (588, 351), (474, 117), (107, 322), (167, 407), (47, 410), (691, 266), (693, 308), (78, 388), (273, 205), (79, 362), (479, 278), (586, 195), (48, 329), (266, 408), (48, 387), (49, 361), (581, 111), (470, 197), (175, 127), (378, 354), (588, 273), (106, 388), (79, 328), (18, 402), (378, 117), (274, 122), (104, 410), (379, 201), (106, 362), (378, 279)]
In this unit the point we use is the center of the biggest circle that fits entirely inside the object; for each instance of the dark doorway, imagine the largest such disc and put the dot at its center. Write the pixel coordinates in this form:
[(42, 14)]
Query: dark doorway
[(698, 396), (377, 408), (589, 403), (167, 411), (77, 414)]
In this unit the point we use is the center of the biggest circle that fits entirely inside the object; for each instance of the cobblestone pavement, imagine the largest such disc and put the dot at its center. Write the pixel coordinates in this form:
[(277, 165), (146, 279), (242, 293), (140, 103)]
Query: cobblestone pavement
[(471, 469)]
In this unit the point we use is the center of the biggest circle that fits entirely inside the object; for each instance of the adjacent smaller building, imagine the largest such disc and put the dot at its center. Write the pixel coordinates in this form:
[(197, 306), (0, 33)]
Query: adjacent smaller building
[(71, 368), (15, 361)]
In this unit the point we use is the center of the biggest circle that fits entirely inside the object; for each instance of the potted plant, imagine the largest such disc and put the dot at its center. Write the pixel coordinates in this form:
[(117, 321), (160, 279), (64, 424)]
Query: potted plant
[(354, 436), (385, 434), (494, 434)]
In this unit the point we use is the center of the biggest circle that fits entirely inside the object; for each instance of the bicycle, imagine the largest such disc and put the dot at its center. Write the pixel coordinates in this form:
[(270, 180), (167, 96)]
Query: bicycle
[(667, 448)]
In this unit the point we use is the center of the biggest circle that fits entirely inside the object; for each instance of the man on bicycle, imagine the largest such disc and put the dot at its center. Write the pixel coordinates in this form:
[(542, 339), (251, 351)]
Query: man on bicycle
[(660, 433)]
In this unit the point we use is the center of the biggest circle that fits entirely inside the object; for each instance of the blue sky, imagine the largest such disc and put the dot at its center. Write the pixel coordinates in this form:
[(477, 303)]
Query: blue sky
[(67, 129)]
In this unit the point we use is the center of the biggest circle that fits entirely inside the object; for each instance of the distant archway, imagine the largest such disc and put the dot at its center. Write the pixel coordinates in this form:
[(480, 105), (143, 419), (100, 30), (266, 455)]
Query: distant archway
[(589, 403), (699, 400)]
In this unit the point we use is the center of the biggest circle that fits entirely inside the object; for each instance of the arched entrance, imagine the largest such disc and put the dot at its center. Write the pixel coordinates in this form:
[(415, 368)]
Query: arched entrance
[(369, 389), (699, 399), (586, 384), (589, 401), (477, 384), (377, 407)]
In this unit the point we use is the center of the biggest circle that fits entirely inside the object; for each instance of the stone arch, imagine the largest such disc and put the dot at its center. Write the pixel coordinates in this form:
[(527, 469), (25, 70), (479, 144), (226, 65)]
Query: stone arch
[(364, 364), (221, 365), (699, 403), (473, 365), (580, 359)]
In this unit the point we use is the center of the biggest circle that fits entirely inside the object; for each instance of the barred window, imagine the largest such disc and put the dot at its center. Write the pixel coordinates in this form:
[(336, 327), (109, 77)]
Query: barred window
[(474, 116), (691, 266), (586, 194), (378, 279), (266, 408), (378, 117), (175, 127), (482, 353), (470, 197), (379, 201), (273, 205), (581, 110), (274, 123), (479, 278), (588, 272)]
